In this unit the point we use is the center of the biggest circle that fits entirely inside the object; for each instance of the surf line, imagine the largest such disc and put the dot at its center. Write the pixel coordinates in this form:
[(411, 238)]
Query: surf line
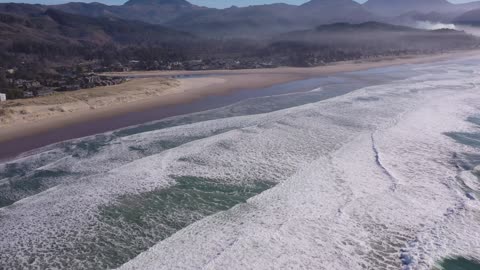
[(378, 160)]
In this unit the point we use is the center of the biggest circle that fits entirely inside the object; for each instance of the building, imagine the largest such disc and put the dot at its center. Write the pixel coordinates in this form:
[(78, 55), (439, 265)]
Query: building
[(28, 94), (3, 97)]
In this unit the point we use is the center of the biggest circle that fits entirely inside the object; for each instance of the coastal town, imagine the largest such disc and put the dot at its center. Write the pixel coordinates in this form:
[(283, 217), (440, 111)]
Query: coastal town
[(16, 82), (15, 87)]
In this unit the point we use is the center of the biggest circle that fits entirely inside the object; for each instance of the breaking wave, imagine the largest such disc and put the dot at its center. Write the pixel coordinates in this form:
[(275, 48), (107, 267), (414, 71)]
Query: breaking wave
[(346, 176)]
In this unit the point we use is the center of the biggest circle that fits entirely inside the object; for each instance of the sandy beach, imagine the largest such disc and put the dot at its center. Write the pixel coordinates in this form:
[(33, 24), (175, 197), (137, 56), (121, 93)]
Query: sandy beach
[(20, 118), (24, 118)]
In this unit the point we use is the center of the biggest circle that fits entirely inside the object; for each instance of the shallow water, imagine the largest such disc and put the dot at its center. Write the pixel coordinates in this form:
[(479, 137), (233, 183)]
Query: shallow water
[(331, 86)]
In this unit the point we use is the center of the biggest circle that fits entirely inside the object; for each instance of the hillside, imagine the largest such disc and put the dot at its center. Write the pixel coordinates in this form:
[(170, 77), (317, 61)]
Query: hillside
[(330, 11), (150, 11), (270, 19), (234, 21), (398, 7), (411, 11), (329, 43), (469, 18), (370, 27), (258, 20), (53, 26), (38, 42)]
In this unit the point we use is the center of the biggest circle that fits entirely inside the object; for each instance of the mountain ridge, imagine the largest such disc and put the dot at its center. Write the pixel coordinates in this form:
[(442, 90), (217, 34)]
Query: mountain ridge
[(158, 2), (258, 20)]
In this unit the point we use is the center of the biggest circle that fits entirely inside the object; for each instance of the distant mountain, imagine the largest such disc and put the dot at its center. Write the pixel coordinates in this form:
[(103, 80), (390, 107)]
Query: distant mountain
[(464, 7), (234, 21), (410, 18), (270, 19), (158, 2), (398, 7), (88, 9), (57, 28), (330, 11), (350, 40), (399, 11), (471, 17), (239, 22), (329, 5), (260, 20), (21, 9), (343, 29), (363, 27), (151, 11), (342, 41)]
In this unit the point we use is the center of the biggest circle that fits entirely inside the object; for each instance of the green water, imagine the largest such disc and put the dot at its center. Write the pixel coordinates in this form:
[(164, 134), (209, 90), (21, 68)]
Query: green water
[(467, 161), (27, 185), (24, 179), (136, 222), (471, 139), (459, 264)]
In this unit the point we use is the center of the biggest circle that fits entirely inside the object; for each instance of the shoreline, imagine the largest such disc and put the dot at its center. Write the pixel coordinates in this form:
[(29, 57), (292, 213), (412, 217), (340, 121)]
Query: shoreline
[(185, 92), (335, 67)]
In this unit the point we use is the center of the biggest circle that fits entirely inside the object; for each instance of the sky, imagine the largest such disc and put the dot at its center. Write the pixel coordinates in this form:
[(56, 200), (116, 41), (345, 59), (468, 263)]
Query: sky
[(209, 3)]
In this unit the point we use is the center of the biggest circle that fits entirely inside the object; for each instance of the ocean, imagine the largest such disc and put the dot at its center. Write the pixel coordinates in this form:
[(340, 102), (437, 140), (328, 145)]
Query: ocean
[(375, 169)]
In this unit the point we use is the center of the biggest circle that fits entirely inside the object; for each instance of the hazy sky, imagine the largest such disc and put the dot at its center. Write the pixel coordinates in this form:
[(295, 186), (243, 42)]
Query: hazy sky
[(209, 3)]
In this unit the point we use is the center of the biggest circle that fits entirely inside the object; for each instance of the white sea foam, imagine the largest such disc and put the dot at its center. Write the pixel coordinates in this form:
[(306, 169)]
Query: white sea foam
[(362, 178), (339, 210)]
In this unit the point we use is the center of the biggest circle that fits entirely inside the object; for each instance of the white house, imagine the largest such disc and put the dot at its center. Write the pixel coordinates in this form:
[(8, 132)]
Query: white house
[(3, 97)]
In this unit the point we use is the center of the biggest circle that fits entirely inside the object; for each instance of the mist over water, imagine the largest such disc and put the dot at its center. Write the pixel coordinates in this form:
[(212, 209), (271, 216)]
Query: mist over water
[(469, 29), (373, 169), (435, 25)]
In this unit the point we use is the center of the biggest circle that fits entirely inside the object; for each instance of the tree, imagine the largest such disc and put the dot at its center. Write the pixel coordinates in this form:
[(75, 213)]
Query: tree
[(3, 79), (14, 93)]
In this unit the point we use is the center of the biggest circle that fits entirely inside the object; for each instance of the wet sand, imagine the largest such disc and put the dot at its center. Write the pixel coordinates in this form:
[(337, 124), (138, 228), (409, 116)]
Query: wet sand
[(191, 95), (215, 89), (181, 91)]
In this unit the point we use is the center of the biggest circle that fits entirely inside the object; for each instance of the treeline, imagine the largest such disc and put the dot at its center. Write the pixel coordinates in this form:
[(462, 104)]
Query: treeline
[(291, 52)]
